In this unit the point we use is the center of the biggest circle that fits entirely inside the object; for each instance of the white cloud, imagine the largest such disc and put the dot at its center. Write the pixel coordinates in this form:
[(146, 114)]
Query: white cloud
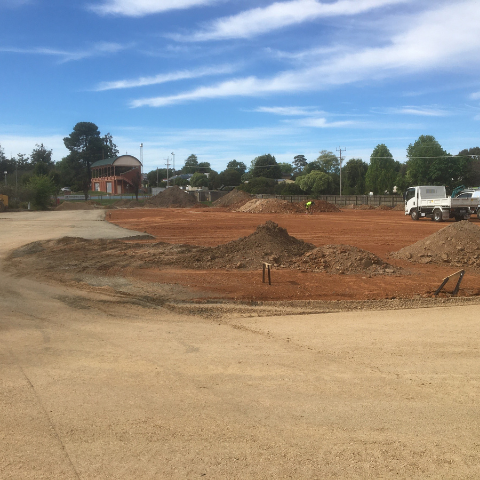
[(475, 96), (281, 14), (423, 111), (323, 123), (164, 78), (15, 143), (139, 8), (434, 40), (98, 49), (290, 111)]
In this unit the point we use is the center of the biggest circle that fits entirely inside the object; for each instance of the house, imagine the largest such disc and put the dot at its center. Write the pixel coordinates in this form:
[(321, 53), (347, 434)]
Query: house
[(116, 175)]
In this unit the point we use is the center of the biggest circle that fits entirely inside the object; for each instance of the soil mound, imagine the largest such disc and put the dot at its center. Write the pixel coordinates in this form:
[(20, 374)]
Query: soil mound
[(399, 207), (383, 207), (345, 259), (269, 243), (457, 245), (235, 198), (273, 205), (173, 197)]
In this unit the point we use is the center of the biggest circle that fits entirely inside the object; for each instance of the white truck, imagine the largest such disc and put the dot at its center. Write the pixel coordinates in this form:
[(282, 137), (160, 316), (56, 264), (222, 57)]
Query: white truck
[(432, 202)]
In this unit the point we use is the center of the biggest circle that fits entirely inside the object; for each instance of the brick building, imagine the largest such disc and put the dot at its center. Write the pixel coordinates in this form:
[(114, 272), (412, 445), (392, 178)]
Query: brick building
[(116, 175)]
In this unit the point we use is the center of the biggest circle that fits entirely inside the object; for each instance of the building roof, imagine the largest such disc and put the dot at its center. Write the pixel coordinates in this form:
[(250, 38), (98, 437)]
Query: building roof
[(123, 159)]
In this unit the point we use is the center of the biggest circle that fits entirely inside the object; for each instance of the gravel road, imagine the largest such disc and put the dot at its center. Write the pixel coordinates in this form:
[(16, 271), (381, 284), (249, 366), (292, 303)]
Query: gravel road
[(96, 386)]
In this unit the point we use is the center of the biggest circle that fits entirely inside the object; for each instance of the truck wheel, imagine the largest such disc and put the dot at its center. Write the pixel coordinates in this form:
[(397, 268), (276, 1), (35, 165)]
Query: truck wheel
[(414, 214), (478, 213), (437, 215)]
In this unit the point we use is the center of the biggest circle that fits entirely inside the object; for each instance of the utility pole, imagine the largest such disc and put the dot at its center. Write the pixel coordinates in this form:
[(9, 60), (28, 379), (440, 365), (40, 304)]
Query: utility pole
[(339, 149), (168, 164), (173, 155)]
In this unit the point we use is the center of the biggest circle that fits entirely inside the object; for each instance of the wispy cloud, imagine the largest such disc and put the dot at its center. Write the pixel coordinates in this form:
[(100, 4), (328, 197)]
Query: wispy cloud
[(165, 77), (475, 96), (279, 15), (433, 40), (98, 49), (322, 122), (140, 8), (290, 111), (423, 111)]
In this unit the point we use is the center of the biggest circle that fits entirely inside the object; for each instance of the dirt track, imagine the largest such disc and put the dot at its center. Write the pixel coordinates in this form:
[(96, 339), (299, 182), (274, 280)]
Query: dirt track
[(95, 385)]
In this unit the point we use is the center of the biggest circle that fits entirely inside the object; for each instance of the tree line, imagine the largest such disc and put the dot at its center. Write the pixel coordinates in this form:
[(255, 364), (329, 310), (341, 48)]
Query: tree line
[(427, 164), (37, 177)]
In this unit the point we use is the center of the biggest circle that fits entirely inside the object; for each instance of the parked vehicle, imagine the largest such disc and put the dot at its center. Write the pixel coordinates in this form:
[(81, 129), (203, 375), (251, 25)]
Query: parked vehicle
[(432, 202)]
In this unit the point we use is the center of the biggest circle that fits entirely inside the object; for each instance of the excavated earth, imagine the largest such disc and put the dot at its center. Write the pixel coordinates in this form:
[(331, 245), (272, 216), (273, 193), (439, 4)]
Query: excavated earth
[(209, 254), (273, 205), (458, 245), (269, 243)]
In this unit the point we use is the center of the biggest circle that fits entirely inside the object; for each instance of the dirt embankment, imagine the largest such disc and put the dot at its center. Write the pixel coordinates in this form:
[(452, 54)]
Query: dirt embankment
[(458, 245)]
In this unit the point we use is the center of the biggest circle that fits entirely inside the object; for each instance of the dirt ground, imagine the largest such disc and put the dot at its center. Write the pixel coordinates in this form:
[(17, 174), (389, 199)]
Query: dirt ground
[(99, 382), (380, 232)]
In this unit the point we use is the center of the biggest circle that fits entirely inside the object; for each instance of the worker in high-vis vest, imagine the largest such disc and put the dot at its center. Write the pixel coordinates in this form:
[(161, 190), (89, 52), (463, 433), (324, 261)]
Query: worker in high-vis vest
[(308, 205)]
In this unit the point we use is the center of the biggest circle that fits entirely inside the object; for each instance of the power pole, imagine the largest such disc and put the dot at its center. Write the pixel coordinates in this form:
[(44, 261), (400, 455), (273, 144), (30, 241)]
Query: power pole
[(339, 149), (168, 164)]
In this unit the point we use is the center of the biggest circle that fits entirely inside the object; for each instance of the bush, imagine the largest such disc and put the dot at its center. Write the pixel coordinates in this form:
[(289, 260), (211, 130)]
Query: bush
[(259, 185), (42, 188), (288, 189)]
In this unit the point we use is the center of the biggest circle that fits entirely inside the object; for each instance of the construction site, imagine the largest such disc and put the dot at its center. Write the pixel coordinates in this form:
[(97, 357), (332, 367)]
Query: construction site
[(249, 339), (359, 253)]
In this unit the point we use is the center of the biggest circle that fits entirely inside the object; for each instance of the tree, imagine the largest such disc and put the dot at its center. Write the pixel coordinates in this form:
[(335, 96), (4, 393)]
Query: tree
[(283, 188), (239, 166), (429, 164), (41, 154), (472, 159), (326, 162), (181, 182), (191, 164), (315, 182), (204, 167), (110, 150), (86, 147), (382, 171), (42, 188), (214, 180), (259, 185), (136, 180), (199, 180), (286, 168), (353, 177), (299, 162), (230, 177), (265, 166)]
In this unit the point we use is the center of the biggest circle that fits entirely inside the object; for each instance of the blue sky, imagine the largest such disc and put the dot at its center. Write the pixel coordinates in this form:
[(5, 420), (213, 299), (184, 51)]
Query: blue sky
[(234, 79)]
